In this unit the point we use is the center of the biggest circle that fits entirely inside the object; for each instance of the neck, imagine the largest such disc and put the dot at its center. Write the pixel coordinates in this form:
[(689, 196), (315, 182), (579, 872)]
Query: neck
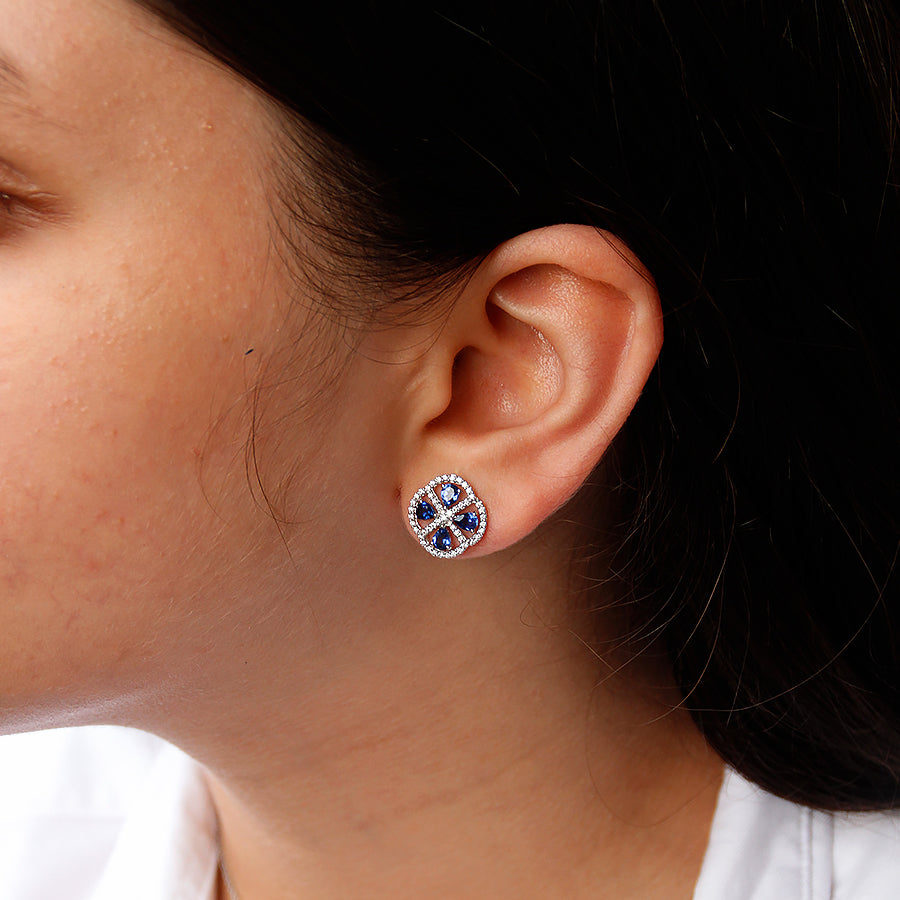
[(486, 754)]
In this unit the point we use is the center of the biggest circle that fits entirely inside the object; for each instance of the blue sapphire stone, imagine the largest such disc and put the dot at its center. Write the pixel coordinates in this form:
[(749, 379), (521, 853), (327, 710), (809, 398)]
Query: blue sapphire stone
[(442, 540), (425, 511), (468, 521), (449, 494)]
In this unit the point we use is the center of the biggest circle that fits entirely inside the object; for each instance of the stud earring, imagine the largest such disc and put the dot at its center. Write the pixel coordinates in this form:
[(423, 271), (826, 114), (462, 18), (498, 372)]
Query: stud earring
[(447, 516)]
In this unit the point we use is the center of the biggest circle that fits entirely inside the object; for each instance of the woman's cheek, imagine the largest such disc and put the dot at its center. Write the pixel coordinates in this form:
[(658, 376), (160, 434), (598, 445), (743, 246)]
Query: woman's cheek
[(123, 391)]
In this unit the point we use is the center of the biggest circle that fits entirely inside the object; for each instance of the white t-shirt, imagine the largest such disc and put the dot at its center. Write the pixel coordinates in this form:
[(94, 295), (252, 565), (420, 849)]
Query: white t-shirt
[(115, 814), (764, 848), (103, 814)]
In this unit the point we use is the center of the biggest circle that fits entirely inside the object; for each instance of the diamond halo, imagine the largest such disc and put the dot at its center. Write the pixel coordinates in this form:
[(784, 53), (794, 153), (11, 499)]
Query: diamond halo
[(447, 504)]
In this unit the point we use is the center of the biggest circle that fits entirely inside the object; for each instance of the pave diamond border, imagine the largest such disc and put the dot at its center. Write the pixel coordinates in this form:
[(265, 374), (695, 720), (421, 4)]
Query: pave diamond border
[(444, 517)]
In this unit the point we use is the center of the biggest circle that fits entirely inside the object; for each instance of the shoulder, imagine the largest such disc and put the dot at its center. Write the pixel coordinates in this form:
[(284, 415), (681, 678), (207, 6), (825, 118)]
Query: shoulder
[(764, 848)]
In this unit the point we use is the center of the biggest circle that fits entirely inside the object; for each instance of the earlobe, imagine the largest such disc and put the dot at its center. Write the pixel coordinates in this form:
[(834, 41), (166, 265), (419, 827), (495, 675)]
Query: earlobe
[(541, 361)]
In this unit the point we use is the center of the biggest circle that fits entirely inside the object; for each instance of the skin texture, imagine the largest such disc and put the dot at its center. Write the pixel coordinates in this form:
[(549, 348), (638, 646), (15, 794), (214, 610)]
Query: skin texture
[(374, 722), (101, 340)]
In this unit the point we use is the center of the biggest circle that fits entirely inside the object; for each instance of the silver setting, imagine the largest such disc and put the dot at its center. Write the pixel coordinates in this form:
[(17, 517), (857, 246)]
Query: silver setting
[(443, 517)]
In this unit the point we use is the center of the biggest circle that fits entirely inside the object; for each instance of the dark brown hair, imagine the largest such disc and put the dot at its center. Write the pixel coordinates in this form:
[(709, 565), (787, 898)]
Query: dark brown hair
[(746, 151)]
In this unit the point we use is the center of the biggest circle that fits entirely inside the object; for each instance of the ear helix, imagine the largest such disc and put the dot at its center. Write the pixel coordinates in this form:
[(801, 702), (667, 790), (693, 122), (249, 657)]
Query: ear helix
[(447, 516)]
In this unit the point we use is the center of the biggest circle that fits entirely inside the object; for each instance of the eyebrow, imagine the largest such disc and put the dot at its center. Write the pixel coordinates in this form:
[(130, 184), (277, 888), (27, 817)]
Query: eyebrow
[(14, 90)]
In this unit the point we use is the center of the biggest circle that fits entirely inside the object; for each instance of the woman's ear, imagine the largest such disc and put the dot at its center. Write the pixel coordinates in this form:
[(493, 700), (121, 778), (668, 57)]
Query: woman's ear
[(537, 367)]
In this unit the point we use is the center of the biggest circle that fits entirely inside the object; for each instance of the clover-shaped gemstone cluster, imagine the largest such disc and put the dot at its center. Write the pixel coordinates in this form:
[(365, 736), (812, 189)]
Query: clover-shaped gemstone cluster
[(447, 516)]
